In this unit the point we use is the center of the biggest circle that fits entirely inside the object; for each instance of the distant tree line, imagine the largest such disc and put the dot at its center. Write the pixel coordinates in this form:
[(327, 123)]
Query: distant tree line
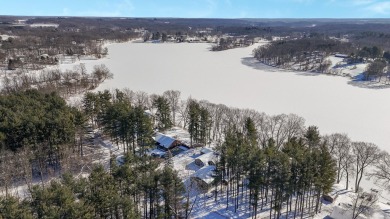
[(73, 36), (372, 38), (65, 83), (310, 54), (378, 62), (305, 53), (232, 41)]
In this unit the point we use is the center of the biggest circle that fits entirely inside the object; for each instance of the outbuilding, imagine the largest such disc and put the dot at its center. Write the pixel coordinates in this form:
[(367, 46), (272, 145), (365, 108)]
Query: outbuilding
[(209, 158), (166, 142), (204, 178)]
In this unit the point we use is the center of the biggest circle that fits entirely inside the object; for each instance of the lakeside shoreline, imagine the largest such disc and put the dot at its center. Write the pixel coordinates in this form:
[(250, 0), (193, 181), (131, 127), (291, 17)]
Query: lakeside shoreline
[(222, 78)]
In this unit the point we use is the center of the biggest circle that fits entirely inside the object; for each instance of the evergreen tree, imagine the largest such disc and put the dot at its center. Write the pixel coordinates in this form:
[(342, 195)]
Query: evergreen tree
[(11, 207), (57, 201), (193, 118), (312, 136), (163, 114)]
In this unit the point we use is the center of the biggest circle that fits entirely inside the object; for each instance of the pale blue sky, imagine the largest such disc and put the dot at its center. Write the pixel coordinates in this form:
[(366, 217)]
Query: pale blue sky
[(201, 8)]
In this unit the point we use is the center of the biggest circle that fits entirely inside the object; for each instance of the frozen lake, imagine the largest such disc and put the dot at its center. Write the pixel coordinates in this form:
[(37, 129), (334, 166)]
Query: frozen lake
[(328, 102)]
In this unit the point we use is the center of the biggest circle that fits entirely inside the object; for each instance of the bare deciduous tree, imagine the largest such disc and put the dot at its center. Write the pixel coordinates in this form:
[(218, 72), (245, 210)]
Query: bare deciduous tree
[(363, 203), (339, 145), (7, 172), (173, 97), (23, 159), (347, 165), (381, 172), (142, 99), (366, 154)]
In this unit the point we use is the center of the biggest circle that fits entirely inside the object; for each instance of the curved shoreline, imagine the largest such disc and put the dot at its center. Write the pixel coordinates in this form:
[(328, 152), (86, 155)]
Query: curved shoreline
[(328, 102), (254, 63)]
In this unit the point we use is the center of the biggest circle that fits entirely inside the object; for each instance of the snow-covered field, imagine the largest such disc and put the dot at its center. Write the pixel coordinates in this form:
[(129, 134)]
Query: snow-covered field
[(232, 77), (341, 67)]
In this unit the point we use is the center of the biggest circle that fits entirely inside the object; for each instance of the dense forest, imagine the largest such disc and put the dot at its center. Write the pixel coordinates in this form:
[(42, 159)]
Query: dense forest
[(274, 162), (112, 194)]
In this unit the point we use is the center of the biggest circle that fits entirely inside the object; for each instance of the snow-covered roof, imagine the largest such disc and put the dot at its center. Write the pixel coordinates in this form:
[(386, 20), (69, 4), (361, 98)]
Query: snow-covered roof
[(341, 55), (179, 134), (205, 150), (340, 213), (204, 159), (148, 113), (205, 174), (165, 141), (157, 152)]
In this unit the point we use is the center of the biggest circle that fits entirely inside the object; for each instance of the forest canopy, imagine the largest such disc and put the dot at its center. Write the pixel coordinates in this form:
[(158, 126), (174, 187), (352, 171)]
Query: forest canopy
[(30, 118)]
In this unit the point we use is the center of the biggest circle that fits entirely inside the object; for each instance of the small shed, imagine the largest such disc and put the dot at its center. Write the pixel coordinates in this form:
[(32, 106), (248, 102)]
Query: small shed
[(166, 142), (329, 198), (209, 158), (44, 56), (204, 178)]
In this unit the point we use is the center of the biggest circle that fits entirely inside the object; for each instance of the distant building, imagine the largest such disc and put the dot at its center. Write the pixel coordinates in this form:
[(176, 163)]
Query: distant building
[(339, 55), (329, 198), (44, 56)]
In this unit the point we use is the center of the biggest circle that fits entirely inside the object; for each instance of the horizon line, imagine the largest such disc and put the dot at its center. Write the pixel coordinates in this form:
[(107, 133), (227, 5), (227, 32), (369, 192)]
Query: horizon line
[(224, 18)]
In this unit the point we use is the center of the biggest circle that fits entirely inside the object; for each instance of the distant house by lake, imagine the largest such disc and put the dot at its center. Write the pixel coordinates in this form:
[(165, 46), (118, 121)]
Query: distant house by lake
[(339, 55)]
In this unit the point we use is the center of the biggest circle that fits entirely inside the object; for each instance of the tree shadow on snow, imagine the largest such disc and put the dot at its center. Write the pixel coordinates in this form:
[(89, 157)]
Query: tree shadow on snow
[(253, 63), (369, 84), (214, 215)]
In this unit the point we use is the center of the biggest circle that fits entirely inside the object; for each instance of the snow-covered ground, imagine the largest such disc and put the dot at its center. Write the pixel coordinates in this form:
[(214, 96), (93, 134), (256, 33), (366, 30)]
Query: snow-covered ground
[(342, 68), (6, 37), (207, 207), (234, 78)]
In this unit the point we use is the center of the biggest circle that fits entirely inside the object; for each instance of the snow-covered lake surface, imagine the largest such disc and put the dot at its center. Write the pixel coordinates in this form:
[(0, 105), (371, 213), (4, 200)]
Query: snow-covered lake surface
[(332, 103)]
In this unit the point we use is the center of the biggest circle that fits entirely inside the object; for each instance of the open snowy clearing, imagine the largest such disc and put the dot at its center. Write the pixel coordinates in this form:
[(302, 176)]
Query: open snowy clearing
[(232, 77)]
